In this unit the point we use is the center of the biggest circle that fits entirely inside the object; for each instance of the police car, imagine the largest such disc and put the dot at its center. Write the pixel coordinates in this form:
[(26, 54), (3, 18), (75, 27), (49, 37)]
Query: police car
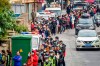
[(87, 39)]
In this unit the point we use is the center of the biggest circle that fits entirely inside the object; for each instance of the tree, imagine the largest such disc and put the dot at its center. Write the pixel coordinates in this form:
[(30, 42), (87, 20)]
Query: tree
[(7, 20), (4, 4)]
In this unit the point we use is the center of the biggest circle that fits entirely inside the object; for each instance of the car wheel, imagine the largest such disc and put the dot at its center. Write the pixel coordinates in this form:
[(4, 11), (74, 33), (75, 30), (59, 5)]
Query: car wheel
[(97, 25), (99, 49), (77, 49), (75, 32)]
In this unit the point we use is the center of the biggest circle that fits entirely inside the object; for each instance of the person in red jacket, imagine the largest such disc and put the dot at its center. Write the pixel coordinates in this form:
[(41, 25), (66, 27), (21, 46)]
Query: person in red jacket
[(32, 26), (35, 58), (29, 60)]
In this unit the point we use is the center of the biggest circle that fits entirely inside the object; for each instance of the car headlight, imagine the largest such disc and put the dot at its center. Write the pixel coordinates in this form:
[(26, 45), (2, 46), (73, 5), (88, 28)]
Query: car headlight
[(96, 41), (91, 27)]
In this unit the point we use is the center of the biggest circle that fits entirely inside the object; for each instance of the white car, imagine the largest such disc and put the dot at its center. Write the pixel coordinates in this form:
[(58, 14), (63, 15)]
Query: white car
[(87, 39)]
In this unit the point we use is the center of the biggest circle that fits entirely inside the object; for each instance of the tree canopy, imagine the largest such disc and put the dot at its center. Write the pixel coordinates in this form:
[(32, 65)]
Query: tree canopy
[(4, 4), (7, 20)]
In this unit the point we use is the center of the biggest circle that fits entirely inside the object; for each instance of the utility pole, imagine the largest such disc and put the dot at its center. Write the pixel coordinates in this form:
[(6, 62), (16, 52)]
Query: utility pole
[(61, 6), (54, 1)]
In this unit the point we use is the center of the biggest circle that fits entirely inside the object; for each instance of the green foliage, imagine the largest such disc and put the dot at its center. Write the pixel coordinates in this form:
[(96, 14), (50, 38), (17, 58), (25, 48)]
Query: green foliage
[(4, 4), (6, 18), (7, 21), (21, 28)]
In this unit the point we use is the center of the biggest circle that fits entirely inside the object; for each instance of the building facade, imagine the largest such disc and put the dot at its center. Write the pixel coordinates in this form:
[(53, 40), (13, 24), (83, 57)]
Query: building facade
[(26, 6)]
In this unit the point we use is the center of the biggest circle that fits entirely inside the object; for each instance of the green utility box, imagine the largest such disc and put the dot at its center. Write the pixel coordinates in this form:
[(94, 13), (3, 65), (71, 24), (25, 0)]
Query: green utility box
[(21, 43), (25, 43)]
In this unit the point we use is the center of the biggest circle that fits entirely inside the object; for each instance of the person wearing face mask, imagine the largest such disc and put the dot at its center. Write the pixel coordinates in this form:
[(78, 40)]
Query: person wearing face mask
[(52, 58), (29, 60), (47, 62), (35, 58)]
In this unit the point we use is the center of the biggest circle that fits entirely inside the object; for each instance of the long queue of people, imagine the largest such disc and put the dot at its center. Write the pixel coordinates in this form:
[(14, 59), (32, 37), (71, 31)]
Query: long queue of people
[(61, 23), (50, 53)]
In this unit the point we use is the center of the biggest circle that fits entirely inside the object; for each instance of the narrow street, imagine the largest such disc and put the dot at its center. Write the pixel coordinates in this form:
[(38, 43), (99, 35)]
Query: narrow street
[(78, 58)]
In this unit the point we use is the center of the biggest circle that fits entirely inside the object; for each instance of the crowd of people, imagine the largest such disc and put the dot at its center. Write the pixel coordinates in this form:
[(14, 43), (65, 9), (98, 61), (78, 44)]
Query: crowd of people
[(59, 24), (52, 51)]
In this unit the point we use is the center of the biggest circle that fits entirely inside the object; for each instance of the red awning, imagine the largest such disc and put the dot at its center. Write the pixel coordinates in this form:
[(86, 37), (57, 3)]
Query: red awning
[(90, 1)]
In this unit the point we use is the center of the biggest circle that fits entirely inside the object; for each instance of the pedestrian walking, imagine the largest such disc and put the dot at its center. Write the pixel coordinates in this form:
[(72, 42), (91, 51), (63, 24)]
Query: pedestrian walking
[(68, 9), (72, 19), (17, 59)]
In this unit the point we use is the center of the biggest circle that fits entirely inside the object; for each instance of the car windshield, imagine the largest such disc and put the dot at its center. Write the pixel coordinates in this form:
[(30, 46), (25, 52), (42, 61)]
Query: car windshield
[(79, 5), (85, 21), (58, 12), (87, 34)]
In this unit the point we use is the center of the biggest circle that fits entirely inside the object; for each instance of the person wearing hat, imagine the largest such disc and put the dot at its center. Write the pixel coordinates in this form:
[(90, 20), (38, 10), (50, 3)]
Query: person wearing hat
[(47, 62)]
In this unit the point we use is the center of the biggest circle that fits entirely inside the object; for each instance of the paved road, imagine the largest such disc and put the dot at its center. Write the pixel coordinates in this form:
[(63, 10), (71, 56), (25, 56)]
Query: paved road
[(78, 58)]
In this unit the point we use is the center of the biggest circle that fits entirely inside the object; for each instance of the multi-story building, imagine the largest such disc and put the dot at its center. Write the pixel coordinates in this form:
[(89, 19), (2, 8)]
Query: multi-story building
[(26, 6)]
